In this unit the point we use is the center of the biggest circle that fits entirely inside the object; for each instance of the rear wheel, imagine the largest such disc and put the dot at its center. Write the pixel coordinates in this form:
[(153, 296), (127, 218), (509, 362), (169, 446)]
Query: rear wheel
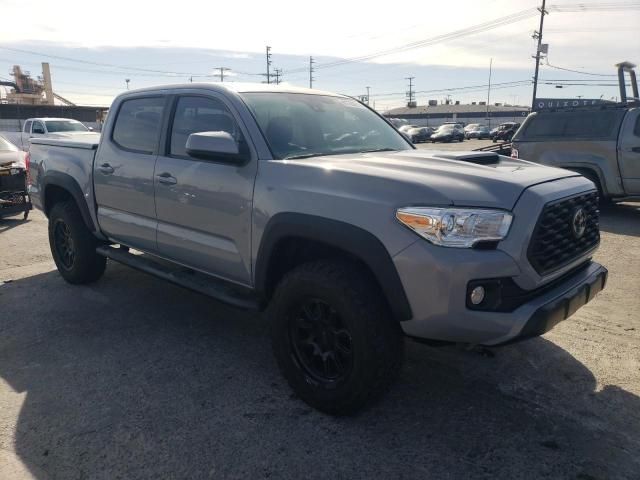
[(73, 246), (333, 338)]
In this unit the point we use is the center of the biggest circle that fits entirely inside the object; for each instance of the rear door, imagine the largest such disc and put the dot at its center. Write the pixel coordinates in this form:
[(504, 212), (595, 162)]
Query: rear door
[(204, 206), (124, 172), (629, 152)]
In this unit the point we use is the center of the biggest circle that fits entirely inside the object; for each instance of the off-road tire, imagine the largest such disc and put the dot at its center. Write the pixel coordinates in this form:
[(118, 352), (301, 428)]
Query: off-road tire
[(87, 266), (377, 339)]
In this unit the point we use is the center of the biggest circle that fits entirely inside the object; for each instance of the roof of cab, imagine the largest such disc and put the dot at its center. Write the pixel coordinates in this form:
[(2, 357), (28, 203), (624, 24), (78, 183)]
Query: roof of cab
[(237, 87), (53, 118)]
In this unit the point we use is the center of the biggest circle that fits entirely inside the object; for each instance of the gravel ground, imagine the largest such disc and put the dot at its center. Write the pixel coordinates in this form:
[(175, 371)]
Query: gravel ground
[(135, 378)]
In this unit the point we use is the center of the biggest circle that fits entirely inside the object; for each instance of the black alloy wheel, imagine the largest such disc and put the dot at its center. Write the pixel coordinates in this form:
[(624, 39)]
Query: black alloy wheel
[(322, 344), (64, 245)]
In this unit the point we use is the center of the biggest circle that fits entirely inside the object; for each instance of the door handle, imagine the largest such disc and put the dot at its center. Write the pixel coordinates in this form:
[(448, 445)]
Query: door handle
[(166, 179), (635, 149), (106, 169)]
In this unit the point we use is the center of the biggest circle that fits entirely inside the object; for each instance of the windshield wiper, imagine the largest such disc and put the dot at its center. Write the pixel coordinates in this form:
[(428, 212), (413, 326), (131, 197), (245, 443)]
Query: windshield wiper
[(379, 150), (348, 152), (305, 155)]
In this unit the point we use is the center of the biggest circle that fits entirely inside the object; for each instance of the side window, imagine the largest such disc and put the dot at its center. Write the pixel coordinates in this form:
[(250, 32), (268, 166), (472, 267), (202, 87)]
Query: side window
[(38, 127), (27, 127), (137, 125), (199, 114)]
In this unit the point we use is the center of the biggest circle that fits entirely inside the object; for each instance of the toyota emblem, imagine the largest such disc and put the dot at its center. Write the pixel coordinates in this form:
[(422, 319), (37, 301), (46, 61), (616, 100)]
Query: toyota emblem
[(579, 223)]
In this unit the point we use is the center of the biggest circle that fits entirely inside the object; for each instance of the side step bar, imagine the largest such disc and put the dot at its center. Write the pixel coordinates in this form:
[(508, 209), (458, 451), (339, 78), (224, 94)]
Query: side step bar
[(207, 285)]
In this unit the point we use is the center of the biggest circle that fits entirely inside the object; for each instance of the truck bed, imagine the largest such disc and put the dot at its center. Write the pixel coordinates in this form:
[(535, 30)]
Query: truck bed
[(79, 140)]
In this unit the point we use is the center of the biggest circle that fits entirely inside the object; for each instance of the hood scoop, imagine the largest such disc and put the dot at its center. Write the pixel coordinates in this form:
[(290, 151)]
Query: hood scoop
[(479, 158)]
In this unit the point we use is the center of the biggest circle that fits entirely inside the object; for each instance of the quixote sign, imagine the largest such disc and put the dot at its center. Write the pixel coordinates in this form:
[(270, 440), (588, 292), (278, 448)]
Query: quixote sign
[(545, 103)]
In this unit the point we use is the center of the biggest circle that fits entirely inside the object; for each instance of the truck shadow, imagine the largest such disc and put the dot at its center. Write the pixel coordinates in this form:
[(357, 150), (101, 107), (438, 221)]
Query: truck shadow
[(8, 223), (135, 378), (621, 218)]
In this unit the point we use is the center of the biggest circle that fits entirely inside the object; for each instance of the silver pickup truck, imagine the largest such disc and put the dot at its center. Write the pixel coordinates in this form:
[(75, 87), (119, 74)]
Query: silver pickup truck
[(312, 206), (601, 142)]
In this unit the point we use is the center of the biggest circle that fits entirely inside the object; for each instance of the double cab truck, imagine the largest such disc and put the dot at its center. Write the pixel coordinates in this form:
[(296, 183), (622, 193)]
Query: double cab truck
[(601, 142), (313, 207)]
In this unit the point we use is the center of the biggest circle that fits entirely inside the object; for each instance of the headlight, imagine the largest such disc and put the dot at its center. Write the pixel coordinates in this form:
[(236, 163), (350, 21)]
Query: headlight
[(456, 227)]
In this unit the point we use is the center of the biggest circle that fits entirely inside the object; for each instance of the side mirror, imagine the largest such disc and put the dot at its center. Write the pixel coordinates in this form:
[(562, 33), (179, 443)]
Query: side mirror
[(218, 146), (90, 129)]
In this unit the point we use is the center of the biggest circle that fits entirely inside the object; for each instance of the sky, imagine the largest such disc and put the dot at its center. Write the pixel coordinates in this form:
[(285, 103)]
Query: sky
[(150, 44)]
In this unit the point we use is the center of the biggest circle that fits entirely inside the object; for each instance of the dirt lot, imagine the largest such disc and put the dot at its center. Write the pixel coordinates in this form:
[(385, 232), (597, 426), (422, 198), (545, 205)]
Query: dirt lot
[(134, 378)]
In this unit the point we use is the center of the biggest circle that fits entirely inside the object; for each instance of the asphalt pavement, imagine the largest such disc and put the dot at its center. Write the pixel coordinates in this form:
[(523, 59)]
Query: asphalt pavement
[(134, 378)]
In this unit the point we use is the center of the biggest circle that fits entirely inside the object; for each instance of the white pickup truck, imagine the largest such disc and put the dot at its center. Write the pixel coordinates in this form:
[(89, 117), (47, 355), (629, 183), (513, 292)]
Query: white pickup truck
[(47, 127)]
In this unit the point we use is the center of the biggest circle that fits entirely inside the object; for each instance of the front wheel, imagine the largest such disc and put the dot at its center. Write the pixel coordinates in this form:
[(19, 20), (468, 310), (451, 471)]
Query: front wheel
[(73, 246), (333, 337)]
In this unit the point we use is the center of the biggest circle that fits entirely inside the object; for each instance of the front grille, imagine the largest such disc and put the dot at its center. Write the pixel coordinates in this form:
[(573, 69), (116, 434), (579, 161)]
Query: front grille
[(554, 243)]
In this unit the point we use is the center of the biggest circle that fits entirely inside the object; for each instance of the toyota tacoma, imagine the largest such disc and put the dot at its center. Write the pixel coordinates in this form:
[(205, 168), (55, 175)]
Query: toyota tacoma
[(311, 206)]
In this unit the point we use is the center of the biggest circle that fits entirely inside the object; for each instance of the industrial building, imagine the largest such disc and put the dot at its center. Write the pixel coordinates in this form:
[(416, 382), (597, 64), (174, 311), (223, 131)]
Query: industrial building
[(433, 114), (27, 97)]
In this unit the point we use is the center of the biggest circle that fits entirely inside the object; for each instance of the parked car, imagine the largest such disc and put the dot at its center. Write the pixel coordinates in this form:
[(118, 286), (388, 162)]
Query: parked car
[(448, 133), (470, 127), (419, 135), (50, 127), (10, 155), (406, 128), (311, 206), (601, 143), (505, 132), (480, 132)]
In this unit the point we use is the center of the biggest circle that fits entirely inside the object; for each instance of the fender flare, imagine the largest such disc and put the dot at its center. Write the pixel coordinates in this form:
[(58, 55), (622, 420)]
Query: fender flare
[(356, 241), (592, 168), (68, 183)]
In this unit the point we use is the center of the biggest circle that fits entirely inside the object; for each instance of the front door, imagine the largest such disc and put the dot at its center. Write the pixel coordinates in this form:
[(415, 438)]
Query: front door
[(629, 152), (123, 172), (203, 206)]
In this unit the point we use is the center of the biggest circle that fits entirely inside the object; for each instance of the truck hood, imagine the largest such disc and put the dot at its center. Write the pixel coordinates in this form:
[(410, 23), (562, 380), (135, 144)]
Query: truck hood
[(480, 179)]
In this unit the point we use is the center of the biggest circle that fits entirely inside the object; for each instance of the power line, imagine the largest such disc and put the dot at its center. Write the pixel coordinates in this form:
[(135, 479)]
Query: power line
[(492, 24), (578, 71)]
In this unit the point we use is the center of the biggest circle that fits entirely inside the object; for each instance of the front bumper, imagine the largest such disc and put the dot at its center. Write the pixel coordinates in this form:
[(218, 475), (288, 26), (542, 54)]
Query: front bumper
[(436, 279)]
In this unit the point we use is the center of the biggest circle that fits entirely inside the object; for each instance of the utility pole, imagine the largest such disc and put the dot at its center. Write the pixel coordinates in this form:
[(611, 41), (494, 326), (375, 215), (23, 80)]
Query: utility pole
[(127, 80), (489, 93), (538, 35), (268, 63), (222, 70), (278, 74), (410, 92), (368, 95), (311, 70)]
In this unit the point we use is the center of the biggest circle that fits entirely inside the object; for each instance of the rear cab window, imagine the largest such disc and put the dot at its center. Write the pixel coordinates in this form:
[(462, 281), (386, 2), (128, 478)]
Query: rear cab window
[(27, 126), (137, 125), (567, 126)]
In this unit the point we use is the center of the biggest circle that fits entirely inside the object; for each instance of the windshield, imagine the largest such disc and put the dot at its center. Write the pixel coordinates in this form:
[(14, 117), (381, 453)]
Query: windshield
[(301, 125), (445, 128), (54, 126), (5, 146)]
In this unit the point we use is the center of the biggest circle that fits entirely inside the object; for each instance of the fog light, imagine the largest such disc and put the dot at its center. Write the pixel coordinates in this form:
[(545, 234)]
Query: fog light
[(477, 295)]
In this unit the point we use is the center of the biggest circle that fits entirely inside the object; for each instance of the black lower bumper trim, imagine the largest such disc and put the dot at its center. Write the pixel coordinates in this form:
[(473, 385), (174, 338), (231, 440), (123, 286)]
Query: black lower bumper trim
[(549, 315)]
